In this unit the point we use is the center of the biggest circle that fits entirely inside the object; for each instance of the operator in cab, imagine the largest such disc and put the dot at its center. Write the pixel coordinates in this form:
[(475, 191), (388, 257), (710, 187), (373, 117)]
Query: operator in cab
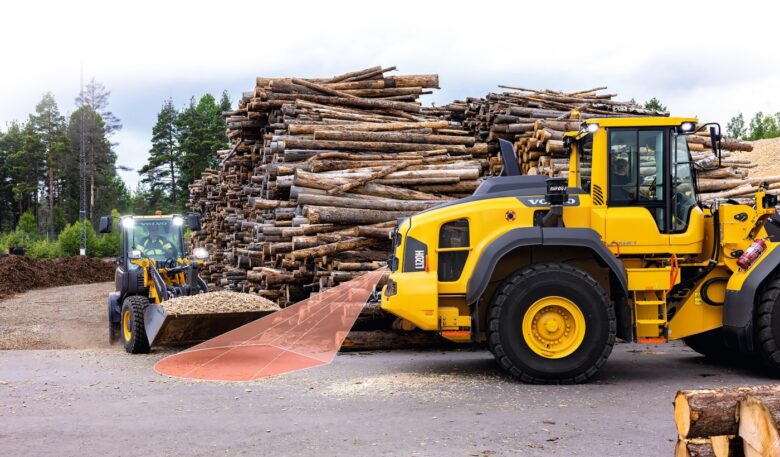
[(621, 181), (156, 245)]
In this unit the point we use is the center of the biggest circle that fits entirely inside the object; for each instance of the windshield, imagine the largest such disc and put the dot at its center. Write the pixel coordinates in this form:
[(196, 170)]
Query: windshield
[(158, 239)]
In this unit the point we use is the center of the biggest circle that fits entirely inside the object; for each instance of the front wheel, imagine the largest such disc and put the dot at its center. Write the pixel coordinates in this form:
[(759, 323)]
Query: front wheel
[(132, 325), (551, 323), (767, 344)]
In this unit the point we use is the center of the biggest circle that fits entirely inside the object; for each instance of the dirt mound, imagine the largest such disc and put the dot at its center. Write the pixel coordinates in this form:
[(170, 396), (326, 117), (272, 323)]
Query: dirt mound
[(19, 274), (766, 155)]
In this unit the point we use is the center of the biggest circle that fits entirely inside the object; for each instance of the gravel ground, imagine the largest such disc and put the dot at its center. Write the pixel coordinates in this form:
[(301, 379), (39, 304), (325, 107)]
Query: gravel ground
[(105, 402), (58, 317), (98, 400)]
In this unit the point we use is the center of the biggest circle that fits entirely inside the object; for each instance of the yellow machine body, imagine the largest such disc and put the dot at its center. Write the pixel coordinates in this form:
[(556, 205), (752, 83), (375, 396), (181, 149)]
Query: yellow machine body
[(435, 282)]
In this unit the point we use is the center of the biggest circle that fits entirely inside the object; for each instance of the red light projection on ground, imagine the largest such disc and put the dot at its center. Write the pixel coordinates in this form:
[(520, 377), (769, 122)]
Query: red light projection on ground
[(306, 334)]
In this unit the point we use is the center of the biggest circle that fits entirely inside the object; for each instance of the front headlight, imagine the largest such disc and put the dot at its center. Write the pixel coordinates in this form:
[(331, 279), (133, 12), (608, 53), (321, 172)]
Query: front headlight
[(200, 253)]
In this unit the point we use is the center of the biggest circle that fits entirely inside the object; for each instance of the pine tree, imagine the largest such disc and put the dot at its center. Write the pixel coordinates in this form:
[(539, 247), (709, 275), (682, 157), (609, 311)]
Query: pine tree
[(655, 105), (48, 127), (736, 127), (162, 168), (96, 96)]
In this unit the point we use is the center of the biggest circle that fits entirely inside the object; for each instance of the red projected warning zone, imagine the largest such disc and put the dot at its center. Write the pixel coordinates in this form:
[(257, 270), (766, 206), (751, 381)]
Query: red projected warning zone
[(306, 334)]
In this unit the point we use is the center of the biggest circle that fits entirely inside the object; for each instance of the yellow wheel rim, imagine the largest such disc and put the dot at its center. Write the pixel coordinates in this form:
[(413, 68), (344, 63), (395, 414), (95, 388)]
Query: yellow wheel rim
[(553, 327), (127, 317)]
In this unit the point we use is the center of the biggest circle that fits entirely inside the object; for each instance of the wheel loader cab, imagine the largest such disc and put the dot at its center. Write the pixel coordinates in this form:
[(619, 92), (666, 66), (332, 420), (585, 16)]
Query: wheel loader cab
[(641, 184)]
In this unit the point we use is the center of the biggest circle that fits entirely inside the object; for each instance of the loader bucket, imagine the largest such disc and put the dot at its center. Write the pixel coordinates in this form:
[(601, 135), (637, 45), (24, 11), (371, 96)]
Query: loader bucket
[(166, 329), (304, 335)]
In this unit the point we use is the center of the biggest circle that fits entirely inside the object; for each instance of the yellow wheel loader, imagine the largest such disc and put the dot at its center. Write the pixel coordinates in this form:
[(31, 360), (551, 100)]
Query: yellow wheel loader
[(152, 268), (548, 272)]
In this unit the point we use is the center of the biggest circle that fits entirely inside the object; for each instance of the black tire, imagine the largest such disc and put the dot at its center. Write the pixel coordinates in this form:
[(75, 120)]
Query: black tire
[(137, 343), (767, 344), (519, 292), (712, 345)]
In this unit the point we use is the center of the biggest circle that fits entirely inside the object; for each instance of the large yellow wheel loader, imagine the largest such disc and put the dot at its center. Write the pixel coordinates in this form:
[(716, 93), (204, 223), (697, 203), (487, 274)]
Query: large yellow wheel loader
[(550, 271), (152, 268)]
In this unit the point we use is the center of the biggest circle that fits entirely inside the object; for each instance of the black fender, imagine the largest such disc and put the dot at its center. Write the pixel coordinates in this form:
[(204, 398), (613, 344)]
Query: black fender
[(740, 304), (114, 308), (540, 236)]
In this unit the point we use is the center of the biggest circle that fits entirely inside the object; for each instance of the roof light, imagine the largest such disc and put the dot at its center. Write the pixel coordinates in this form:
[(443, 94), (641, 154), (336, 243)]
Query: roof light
[(686, 126), (592, 128), (178, 221), (128, 222)]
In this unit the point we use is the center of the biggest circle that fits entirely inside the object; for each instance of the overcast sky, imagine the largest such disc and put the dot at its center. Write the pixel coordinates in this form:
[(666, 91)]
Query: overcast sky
[(711, 59)]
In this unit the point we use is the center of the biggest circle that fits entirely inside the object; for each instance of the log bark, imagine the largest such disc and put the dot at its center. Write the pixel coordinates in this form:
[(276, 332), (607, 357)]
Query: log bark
[(335, 135), (331, 214)]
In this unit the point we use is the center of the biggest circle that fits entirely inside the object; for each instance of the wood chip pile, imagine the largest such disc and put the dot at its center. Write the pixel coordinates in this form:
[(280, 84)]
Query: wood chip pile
[(731, 421), (222, 301)]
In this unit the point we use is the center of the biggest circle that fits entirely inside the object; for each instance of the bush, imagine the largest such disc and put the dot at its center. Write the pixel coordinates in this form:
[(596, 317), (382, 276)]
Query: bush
[(43, 249), (27, 224), (69, 241), (16, 239)]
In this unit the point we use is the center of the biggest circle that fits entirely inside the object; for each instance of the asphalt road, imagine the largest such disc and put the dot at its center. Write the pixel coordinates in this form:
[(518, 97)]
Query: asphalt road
[(104, 402)]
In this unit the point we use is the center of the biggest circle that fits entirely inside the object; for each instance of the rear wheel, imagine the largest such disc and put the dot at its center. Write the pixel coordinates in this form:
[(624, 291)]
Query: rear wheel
[(767, 345), (551, 323), (132, 331)]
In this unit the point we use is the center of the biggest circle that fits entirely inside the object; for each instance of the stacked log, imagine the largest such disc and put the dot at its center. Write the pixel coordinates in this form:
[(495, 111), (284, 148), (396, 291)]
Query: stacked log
[(733, 421), (535, 121), (318, 172)]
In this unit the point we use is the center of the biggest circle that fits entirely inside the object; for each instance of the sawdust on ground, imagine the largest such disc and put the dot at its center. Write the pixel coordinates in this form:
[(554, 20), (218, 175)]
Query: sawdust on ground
[(71, 317), (766, 155), (219, 302)]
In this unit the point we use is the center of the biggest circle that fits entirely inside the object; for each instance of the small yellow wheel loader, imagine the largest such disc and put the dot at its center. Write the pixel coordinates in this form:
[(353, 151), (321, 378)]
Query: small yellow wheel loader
[(550, 271), (152, 268)]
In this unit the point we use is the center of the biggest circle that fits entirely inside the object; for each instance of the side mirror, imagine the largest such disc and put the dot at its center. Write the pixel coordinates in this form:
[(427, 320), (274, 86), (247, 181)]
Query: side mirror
[(193, 221), (105, 224)]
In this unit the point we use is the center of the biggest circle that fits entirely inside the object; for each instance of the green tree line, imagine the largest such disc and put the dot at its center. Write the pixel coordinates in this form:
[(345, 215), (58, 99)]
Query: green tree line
[(761, 126), (41, 176)]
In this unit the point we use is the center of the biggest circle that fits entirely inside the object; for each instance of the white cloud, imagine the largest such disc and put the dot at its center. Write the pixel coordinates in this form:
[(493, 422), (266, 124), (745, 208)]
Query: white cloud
[(713, 59)]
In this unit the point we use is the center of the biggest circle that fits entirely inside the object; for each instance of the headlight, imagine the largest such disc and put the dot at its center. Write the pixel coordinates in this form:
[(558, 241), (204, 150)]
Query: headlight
[(134, 254), (200, 253), (128, 222), (178, 221)]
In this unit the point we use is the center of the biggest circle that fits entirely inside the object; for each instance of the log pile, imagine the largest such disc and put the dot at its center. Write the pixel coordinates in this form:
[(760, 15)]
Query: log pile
[(536, 120), (317, 173), (732, 421)]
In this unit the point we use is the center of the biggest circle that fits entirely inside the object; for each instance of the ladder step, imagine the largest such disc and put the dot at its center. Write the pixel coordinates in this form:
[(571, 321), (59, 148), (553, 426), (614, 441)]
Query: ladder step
[(649, 302), (651, 321)]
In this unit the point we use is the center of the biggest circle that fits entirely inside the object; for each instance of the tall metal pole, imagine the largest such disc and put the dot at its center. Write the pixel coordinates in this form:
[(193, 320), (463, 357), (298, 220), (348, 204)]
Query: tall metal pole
[(82, 172)]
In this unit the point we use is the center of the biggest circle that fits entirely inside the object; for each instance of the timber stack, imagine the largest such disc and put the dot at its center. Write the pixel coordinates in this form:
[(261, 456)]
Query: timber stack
[(535, 121), (732, 421), (318, 172)]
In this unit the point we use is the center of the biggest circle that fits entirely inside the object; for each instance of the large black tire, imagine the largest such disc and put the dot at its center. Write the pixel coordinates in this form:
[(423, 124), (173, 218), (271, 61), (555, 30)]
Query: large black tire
[(523, 289), (132, 325), (767, 326), (712, 345)]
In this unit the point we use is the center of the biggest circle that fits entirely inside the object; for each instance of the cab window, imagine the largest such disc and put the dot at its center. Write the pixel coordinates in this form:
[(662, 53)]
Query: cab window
[(683, 191), (453, 249), (586, 161), (636, 171)]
